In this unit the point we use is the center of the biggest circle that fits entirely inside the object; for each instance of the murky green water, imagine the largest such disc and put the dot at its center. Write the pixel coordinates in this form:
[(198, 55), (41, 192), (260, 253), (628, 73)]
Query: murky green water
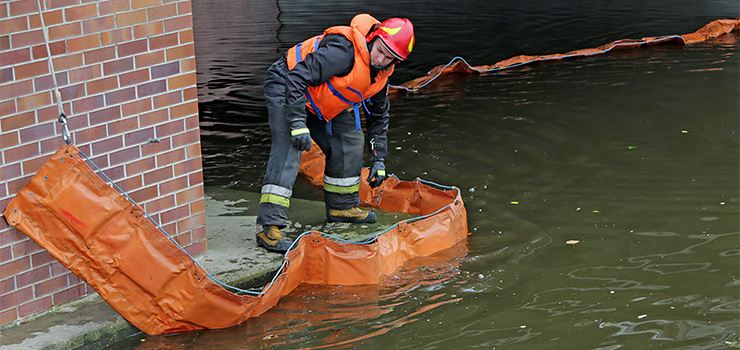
[(635, 156)]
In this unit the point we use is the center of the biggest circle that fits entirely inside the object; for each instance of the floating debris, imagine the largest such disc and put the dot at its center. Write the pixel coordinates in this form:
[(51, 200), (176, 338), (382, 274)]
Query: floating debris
[(684, 131), (514, 202), (572, 241)]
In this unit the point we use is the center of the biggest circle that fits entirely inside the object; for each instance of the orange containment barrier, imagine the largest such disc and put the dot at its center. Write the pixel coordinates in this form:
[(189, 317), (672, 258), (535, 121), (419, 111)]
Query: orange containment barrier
[(99, 234), (459, 66)]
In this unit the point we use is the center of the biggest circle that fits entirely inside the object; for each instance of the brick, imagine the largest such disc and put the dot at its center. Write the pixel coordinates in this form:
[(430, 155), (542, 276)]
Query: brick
[(184, 7), (113, 6), (174, 214), (64, 31), (30, 38), (159, 204), (33, 276), (155, 117), (118, 66), (14, 267), (6, 254), (41, 258), (15, 89), (83, 43), (34, 101), (37, 132), (105, 115), (16, 298), (178, 23), (132, 47), (185, 109), (72, 92), (161, 12), (11, 236), (138, 136), (25, 247), (5, 43), (131, 184), (57, 48), (108, 145), (136, 107), (144, 194), (192, 122), (144, 3), (116, 36), (47, 83), (86, 135), (186, 36), (191, 222), (197, 248), (7, 107), (182, 81), (120, 96), (31, 166), (102, 85), (99, 55), (190, 94), (152, 88), (51, 18), (198, 233), (9, 58), (7, 285), (14, 186), (171, 157), (29, 70), (50, 286), (170, 128), (148, 29), (87, 104), (180, 52), (165, 70), (13, 25), (175, 185), (6, 75), (68, 61), (183, 239), (140, 166), (188, 166), (195, 178), (52, 145), (81, 12), (134, 78), (35, 306), (52, 4), (21, 7), (57, 269), (69, 294), (124, 156), (155, 148), (149, 59), (163, 41), (130, 18), (10, 171), (123, 125), (158, 175), (8, 316), (8, 140), (18, 121), (189, 195), (85, 74), (190, 137), (167, 99)]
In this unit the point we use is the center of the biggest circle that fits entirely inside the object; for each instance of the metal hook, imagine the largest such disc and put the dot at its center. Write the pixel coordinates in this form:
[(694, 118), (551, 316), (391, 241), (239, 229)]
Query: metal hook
[(65, 129)]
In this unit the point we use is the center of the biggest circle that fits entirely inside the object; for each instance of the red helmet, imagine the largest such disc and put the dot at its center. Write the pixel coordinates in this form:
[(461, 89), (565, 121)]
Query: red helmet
[(397, 34)]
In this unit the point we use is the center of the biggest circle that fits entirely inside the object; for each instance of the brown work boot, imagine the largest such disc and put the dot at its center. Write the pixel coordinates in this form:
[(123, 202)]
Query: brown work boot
[(271, 239), (355, 215)]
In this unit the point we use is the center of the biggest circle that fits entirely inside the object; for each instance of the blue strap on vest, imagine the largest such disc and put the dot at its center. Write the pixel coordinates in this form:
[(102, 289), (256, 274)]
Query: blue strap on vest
[(298, 59)]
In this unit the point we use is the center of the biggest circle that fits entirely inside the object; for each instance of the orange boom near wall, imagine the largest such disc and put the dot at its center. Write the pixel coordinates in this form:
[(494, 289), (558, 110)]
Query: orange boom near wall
[(107, 240)]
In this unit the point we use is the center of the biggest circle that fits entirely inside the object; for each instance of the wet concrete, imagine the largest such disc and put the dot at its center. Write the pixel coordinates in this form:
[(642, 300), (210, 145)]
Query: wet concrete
[(233, 257)]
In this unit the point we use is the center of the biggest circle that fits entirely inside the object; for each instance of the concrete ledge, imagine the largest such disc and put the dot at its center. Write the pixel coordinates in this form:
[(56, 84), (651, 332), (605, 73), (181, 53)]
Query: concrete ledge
[(232, 257)]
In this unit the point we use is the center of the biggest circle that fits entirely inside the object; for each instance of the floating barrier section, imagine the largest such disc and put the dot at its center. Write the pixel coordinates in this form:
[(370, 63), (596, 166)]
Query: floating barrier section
[(460, 66), (99, 234)]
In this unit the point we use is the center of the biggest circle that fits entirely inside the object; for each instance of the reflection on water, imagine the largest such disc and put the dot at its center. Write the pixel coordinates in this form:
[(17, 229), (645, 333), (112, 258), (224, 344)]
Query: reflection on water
[(635, 155)]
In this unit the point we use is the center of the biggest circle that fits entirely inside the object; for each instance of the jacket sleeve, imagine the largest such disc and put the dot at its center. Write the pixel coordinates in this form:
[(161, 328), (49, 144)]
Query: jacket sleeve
[(335, 56), (377, 122)]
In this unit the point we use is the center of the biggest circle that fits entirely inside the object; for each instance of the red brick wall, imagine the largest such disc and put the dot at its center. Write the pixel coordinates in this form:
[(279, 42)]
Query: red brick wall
[(126, 71)]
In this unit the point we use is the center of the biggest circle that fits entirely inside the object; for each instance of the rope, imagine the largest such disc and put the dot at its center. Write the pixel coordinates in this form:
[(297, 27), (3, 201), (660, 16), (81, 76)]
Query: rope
[(57, 94)]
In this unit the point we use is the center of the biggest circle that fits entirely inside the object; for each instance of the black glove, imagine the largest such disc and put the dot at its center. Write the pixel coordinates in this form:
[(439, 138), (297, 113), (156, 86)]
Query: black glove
[(299, 135), (377, 171)]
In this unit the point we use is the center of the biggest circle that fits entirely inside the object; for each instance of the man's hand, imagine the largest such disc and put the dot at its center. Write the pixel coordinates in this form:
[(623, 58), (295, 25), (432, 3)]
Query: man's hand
[(299, 135), (377, 173)]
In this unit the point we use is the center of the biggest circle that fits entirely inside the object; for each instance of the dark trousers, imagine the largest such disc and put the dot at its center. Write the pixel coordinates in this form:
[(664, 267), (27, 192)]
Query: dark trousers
[(341, 140)]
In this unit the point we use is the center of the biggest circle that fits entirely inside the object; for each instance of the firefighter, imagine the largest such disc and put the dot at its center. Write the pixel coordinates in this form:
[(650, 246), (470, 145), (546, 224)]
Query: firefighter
[(316, 91)]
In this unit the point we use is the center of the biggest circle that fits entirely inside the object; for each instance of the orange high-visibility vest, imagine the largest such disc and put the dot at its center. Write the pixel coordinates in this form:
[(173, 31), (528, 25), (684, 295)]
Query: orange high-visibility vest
[(339, 93)]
